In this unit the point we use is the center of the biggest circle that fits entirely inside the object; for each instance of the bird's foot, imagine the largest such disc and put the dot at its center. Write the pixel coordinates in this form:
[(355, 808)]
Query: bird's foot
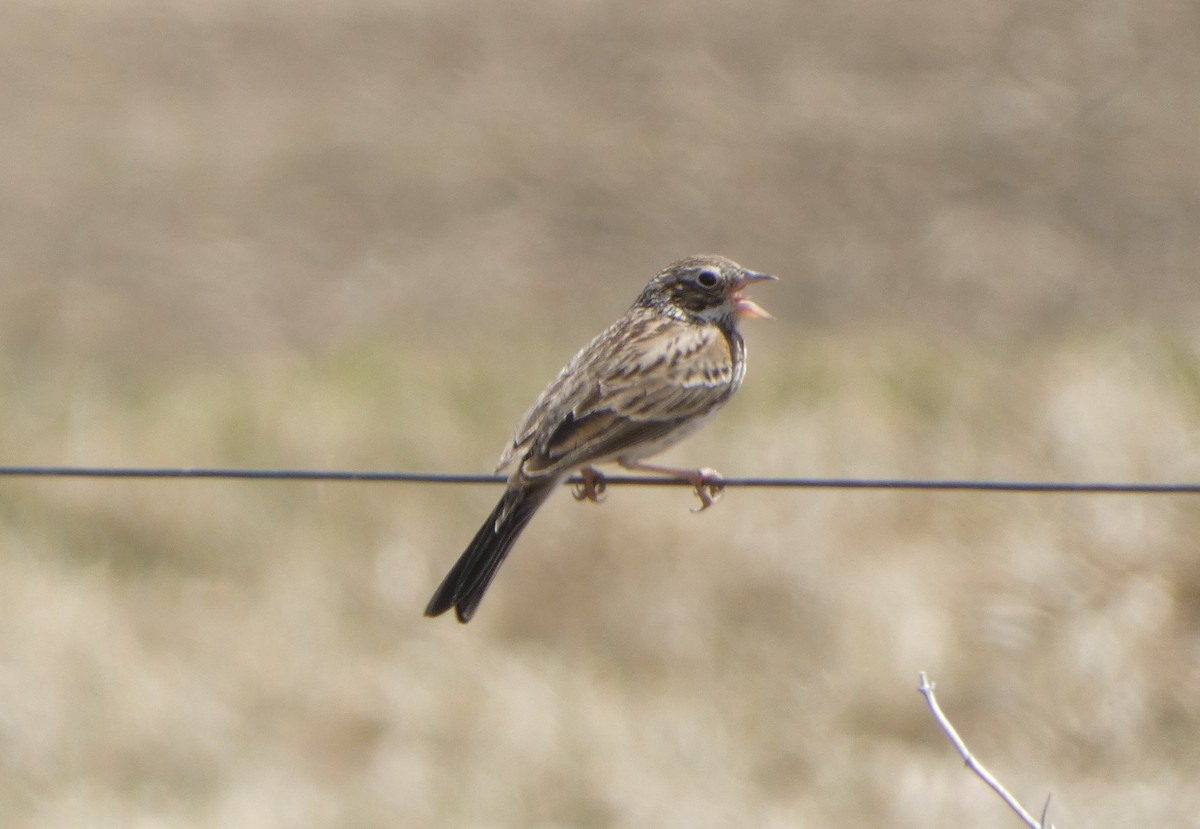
[(706, 483), (708, 486), (592, 487)]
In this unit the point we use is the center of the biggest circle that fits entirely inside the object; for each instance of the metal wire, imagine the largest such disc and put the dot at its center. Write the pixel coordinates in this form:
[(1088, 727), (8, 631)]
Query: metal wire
[(949, 484)]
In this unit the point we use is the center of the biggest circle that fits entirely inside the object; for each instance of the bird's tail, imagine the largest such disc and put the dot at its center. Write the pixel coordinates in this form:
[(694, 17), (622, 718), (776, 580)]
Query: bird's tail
[(468, 579)]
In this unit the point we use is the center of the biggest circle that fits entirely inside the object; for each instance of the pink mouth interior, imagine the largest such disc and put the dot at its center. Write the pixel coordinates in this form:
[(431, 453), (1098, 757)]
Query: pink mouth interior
[(750, 308)]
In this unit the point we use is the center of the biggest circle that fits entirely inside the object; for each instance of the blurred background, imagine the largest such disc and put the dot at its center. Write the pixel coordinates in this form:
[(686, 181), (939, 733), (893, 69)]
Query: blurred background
[(364, 235)]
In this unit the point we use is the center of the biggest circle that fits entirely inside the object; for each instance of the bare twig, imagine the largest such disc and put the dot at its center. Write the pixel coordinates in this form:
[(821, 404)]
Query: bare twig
[(974, 765), (1046, 808)]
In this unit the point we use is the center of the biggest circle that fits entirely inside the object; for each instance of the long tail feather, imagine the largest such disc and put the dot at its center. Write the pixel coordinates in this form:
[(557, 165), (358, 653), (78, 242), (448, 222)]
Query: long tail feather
[(468, 579)]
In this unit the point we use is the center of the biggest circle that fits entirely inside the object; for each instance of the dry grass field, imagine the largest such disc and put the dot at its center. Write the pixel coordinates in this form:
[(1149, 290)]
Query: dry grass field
[(364, 235)]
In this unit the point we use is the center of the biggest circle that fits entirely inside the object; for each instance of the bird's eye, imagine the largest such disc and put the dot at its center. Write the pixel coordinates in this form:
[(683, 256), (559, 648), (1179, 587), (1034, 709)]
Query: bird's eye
[(708, 278)]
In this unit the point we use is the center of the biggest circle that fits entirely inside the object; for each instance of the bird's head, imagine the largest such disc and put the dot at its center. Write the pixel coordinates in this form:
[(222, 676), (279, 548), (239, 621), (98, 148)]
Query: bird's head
[(704, 289)]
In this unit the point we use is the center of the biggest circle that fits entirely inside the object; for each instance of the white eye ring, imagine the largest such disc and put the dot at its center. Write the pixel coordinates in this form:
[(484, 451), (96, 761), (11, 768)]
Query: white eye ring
[(708, 278)]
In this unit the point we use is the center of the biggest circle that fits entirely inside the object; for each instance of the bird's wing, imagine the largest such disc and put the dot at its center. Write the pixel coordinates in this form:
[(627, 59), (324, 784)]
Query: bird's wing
[(626, 391)]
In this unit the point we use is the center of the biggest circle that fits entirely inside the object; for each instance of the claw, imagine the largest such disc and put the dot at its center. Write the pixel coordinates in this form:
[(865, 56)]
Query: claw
[(592, 487), (708, 486)]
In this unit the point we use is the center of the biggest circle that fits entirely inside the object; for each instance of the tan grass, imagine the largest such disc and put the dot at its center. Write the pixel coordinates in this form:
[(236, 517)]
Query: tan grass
[(291, 235)]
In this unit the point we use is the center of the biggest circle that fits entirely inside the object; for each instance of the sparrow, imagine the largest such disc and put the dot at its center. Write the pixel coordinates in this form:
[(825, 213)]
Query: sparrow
[(649, 380)]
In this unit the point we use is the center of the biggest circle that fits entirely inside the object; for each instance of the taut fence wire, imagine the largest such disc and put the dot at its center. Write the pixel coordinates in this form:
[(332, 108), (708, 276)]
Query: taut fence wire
[(363, 476)]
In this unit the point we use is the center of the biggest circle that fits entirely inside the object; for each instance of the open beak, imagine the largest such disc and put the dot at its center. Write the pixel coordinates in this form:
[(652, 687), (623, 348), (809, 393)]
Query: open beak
[(748, 307)]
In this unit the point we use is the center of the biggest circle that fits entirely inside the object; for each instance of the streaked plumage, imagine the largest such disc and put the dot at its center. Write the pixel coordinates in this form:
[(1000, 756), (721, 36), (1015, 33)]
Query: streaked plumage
[(649, 380)]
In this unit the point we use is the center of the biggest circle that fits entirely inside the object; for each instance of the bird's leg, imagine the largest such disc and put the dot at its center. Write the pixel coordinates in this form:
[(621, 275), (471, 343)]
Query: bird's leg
[(706, 483), (592, 487)]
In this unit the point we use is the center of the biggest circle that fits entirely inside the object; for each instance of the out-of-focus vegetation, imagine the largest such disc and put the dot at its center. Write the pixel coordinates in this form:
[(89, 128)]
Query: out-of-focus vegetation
[(364, 235)]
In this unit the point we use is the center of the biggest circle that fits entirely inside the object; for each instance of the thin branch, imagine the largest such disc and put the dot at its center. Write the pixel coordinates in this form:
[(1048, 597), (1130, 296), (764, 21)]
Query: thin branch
[(974, 765), (1046, 808)]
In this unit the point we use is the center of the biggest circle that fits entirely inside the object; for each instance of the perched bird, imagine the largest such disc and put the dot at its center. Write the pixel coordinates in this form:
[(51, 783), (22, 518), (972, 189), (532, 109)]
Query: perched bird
[(651, 379)]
